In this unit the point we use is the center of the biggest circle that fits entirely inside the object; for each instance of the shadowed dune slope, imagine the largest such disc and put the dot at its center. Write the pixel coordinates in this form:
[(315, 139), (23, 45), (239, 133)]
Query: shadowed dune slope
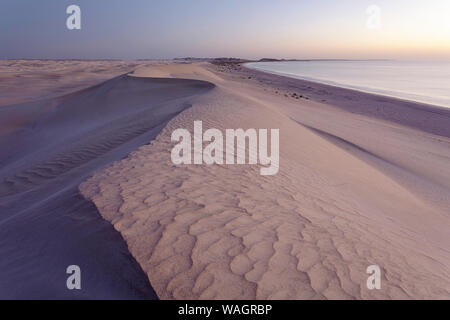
[(46, 149)]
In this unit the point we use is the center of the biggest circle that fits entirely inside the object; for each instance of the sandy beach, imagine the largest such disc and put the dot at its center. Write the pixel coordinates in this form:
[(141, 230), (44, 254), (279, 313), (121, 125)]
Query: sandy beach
[(363, 180)]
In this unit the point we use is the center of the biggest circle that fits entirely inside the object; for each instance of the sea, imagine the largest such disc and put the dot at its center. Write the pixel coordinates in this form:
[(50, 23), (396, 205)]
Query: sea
[(421, 81)]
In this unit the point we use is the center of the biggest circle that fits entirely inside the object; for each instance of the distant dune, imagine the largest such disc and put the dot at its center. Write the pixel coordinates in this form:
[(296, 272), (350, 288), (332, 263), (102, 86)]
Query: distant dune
[(28, 80)]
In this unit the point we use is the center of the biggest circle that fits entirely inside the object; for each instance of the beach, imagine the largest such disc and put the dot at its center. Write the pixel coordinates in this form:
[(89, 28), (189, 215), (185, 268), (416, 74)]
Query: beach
[(363, 180)]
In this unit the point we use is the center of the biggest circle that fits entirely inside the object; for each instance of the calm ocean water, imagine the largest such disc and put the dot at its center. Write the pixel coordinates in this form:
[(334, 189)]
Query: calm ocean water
[(423, 81)]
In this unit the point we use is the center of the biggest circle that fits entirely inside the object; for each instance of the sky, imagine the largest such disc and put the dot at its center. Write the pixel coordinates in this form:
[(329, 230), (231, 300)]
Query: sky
[(155, 29)]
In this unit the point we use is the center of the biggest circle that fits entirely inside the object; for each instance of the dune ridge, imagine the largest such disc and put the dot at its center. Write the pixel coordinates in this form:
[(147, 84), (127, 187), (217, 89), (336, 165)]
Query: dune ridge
[(353, 190)]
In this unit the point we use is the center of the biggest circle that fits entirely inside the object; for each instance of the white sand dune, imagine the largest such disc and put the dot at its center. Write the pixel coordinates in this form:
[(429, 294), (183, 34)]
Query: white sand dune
[(355, 188), (47, 148)]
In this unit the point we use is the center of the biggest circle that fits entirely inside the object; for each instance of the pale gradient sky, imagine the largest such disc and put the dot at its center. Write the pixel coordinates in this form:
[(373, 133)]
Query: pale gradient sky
[(132, 29)]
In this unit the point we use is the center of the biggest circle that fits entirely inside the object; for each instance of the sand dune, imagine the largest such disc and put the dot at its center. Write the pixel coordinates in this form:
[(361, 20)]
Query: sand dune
[(354, 189), (48, 147)]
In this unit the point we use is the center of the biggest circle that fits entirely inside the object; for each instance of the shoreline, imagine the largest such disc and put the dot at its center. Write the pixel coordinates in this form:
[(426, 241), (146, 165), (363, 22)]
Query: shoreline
[(342, 97)]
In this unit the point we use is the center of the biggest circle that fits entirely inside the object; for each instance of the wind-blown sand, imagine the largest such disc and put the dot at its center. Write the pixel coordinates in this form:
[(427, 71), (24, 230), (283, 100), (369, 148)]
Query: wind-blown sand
[(47, 148), (363, 180)]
